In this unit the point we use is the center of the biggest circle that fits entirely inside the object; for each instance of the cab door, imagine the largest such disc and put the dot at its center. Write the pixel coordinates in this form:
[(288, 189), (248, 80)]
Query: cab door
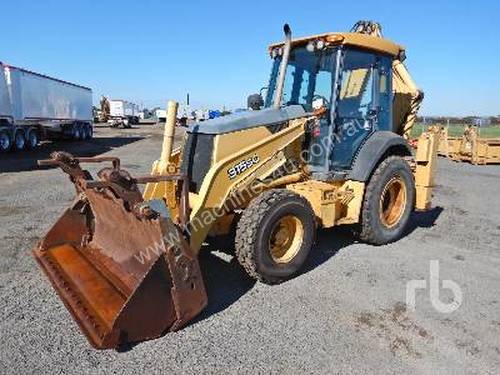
[(363, 101)]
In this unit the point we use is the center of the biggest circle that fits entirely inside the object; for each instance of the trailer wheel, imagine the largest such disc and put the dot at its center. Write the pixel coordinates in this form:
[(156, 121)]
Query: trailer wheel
[(32, 139), (388, 202), (19, 140), (75, 132), (5, 141), (274, 235), (88, 131), (82, 132)]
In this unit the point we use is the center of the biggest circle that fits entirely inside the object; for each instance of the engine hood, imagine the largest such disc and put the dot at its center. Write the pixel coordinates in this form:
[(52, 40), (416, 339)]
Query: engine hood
[(246, 120)]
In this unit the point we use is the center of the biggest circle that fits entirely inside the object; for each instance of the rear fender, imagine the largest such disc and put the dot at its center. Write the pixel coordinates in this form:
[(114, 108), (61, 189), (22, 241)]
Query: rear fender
[(380, 145)]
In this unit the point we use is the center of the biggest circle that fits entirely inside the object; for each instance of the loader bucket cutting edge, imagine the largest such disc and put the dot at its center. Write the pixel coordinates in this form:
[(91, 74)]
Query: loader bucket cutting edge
[(123, 277)]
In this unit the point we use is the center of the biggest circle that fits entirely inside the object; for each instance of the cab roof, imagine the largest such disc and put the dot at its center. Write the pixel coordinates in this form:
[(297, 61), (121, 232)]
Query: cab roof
[(363, 41)]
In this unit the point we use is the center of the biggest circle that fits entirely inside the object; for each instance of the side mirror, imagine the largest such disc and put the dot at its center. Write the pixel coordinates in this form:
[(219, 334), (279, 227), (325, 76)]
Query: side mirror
[(255, 102), (318, 103)]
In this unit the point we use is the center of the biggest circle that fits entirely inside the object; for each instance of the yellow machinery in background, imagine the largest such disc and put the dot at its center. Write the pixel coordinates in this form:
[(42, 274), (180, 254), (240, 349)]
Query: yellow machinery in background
[(104, 110), (470, 147), (326, 147)]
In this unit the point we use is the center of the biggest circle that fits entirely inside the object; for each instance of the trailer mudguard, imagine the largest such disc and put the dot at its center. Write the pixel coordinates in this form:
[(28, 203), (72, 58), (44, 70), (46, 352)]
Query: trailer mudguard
[(378, 145)]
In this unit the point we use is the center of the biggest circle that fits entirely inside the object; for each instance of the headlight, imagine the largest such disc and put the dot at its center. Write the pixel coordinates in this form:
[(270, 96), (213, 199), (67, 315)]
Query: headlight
[(310, 46)]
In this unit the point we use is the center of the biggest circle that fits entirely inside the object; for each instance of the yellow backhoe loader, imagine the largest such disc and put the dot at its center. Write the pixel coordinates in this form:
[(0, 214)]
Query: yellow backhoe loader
[(326, 147)]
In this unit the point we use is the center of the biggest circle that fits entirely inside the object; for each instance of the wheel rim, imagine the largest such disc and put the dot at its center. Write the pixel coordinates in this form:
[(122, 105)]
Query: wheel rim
[(19, 141), (393, 202), (286, 239), (4, 141)]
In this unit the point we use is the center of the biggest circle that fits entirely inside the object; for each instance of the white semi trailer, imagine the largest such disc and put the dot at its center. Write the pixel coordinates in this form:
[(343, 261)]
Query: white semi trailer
[(122, 112), (34, 107)]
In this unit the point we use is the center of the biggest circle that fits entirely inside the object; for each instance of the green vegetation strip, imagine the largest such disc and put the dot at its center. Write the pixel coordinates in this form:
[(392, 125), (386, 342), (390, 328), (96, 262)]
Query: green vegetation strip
[(457, 130)]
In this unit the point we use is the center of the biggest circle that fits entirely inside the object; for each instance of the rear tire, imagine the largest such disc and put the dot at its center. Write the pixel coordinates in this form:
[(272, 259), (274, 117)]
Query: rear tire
[(32, 139), (274, 235), (75, 132), (19, 140), (88, 131), (82, 130), (388, 202), (5, 141)]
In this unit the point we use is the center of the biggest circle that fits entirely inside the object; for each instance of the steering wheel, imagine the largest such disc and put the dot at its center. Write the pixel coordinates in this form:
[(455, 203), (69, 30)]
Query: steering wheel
[(316, 96)]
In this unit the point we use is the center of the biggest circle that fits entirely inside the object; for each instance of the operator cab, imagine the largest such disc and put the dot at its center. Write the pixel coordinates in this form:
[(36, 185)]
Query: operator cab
[(350, 84)]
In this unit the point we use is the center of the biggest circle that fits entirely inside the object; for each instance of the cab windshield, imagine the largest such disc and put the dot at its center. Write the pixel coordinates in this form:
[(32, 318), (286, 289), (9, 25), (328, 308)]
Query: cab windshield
[(308, 77)]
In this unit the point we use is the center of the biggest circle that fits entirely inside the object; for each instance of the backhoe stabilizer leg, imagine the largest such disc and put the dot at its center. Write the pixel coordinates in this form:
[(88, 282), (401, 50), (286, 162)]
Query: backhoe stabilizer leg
[(426, 163)]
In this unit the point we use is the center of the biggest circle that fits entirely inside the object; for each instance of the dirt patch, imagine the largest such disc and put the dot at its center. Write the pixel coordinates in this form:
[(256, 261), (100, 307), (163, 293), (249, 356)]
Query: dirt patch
[(366, 319), (401, 345), (394, 325), (470, 347)]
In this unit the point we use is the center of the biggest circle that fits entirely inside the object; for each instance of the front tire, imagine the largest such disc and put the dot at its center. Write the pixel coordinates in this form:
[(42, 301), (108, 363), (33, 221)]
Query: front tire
[(388, 202), (274, 235)]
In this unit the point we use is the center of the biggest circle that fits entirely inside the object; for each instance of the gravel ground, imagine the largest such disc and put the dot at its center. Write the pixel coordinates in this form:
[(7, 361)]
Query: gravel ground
[(345, 313)]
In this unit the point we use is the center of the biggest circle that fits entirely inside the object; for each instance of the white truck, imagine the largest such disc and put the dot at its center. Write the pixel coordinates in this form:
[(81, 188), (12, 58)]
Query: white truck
[(34, 107), (161, 115), (122, 112)]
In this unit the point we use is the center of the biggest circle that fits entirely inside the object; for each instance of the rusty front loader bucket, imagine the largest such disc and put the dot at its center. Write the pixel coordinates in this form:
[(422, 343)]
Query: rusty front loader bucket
[(121, 266)]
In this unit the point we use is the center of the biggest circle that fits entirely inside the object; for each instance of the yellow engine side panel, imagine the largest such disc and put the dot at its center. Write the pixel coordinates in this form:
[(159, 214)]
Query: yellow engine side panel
[(333, 203), (241, 157), (230, 143)]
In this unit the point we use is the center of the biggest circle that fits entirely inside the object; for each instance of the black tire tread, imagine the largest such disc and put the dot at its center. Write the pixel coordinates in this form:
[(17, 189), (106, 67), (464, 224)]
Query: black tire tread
[(4, 131), (366, 232), (247, 229)]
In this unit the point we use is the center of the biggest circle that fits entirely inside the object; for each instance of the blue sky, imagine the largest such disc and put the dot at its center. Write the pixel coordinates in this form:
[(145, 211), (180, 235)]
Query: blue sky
[(151, 51)]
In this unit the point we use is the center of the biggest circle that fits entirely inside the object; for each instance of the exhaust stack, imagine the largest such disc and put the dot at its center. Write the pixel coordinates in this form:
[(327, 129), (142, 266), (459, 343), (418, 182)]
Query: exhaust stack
[(284, 63)]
